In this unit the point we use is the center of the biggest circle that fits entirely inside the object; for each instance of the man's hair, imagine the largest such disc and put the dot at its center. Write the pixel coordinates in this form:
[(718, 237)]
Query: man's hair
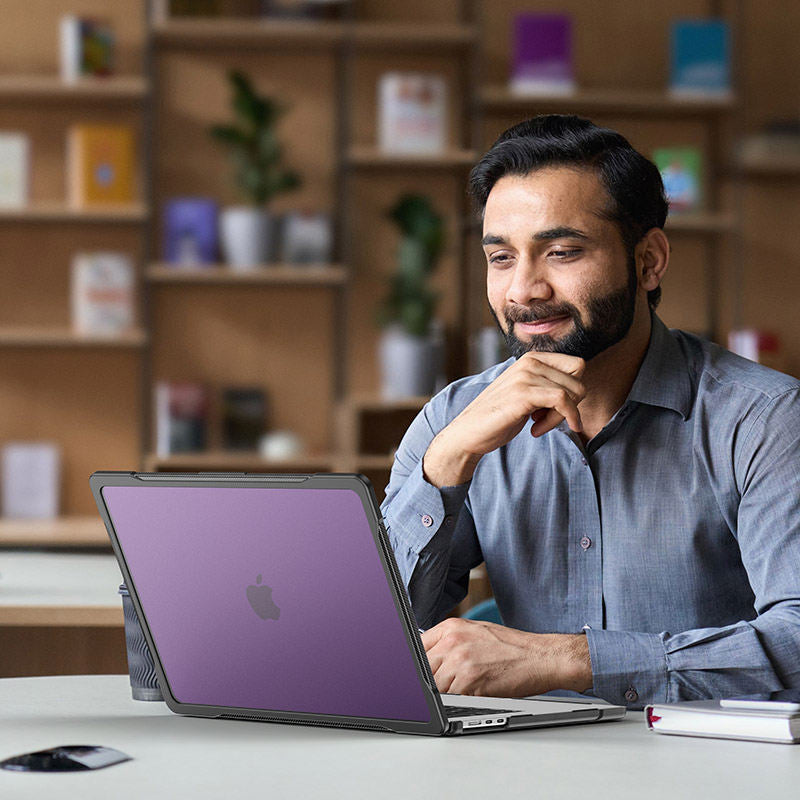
[(633, 182)]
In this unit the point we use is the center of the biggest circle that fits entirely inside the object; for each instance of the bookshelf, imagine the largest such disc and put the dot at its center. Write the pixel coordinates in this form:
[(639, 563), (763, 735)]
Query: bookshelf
[(308, 333)]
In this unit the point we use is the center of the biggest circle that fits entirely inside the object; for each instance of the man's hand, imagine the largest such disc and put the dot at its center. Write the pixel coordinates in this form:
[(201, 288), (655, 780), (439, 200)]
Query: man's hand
[(545, 387), (481, 658)]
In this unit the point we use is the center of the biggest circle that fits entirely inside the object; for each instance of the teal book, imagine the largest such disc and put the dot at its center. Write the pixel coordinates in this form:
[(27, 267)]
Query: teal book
[(700, 58)]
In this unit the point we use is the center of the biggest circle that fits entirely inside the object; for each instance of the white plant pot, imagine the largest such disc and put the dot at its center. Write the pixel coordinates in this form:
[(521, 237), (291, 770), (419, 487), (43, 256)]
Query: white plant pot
[(245, 237), (407, 364)]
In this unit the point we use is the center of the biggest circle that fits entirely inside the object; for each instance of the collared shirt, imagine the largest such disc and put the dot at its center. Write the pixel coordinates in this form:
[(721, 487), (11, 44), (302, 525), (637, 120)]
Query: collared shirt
[(672, 539)]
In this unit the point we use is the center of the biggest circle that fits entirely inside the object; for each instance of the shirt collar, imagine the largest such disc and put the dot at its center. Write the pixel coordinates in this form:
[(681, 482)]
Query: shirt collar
[(663, 379)]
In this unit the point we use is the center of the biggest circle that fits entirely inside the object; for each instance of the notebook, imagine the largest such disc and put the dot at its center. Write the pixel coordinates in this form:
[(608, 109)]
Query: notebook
[(277, 598)]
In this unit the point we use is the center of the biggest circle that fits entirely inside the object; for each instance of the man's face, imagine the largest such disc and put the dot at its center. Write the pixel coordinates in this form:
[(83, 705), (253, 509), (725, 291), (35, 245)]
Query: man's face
[(559, 278)]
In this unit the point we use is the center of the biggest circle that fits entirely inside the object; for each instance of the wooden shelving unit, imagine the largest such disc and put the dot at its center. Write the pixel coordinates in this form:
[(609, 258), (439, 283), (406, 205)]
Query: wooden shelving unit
[(228, 461), (55, 212), (48, 88), (65, 337), (372, 157), (605, 101), (261, 275)]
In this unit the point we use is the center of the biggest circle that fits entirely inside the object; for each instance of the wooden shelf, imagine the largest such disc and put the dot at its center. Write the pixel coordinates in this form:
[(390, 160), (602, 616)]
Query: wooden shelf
[(783, 166), (221, 32), (65, 337), (61, 212), (417, 36), (701, 222), (47, 88), (223, 461), (370, 402), (257, 31), (372, 157), (659, 103), (266, 275), (61, 532)]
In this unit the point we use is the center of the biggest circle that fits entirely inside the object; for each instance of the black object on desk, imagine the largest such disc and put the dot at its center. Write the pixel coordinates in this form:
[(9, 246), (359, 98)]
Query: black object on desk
[(67, 758)]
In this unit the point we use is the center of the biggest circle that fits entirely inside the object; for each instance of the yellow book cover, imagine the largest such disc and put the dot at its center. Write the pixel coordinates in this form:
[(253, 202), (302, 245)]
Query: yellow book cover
[(100, 165)]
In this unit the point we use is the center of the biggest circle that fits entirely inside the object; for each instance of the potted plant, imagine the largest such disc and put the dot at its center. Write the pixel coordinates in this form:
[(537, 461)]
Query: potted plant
[(408, 346), (246, 232)]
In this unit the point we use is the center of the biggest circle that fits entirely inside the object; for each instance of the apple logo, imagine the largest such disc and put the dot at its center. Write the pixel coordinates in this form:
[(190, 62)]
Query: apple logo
[(260, 598)]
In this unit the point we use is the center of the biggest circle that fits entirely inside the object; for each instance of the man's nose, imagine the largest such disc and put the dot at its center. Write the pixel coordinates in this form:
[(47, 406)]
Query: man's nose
[(528, 283)]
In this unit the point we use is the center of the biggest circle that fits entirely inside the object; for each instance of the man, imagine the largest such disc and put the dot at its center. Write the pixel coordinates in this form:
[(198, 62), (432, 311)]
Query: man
[(632, 490)]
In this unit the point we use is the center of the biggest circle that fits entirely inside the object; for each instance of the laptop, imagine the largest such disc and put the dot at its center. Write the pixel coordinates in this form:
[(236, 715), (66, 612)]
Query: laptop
[(277, 598)]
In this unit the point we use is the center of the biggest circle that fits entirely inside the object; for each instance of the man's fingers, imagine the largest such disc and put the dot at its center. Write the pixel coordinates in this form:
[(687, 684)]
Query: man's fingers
[(558, 378), (564, 363)]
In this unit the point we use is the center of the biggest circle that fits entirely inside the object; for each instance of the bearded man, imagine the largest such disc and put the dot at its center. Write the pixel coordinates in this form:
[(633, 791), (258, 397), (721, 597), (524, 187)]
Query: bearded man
[(633, 490)]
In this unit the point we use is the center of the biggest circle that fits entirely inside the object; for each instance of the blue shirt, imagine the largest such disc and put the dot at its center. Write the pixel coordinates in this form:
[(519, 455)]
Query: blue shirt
[(672, 538)]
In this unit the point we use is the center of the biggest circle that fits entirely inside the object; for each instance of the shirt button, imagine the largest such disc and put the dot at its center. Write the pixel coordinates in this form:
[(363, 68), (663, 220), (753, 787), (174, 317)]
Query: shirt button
[(586, 543), (584, 462), (631, 695), (586, 628), (427, 520)]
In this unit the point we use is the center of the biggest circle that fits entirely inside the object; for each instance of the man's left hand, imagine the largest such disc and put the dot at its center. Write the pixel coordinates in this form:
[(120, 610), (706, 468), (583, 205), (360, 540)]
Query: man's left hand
[(480, 658)]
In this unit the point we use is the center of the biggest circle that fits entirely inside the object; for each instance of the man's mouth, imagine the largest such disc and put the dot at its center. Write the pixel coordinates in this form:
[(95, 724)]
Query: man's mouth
[(541, 326)]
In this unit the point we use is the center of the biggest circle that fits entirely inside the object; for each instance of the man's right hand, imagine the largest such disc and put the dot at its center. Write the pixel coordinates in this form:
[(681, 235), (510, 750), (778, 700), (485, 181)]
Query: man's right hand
[(545, 387)]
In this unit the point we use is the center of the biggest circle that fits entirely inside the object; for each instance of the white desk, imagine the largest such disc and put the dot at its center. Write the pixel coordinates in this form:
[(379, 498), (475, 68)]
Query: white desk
[(178, 757)]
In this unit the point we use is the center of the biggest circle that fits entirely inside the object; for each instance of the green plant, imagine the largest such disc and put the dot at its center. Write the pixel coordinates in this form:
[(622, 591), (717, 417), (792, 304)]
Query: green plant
[(253, 144), (410, 301)]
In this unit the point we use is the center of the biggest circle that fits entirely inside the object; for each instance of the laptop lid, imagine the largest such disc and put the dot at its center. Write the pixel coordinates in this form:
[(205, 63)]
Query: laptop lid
[(270, 597)]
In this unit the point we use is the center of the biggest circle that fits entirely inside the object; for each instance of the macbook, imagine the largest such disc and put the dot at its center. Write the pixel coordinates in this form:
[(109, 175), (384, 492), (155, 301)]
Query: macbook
[(277, 598)]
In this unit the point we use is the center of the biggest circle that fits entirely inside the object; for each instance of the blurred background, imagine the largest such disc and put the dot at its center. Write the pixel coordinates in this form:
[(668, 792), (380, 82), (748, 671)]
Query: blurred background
[(234, 235)]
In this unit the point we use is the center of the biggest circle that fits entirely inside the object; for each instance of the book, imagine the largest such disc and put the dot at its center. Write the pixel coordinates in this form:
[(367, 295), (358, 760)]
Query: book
[(542, 54), (700, 58), (31, 479), (681, 172), (412, 113), (306, 238), (181, 411), (709, 718), (14, 169), (102, 293), (87, 48), (191, 231), (100, 162), (244, 416)]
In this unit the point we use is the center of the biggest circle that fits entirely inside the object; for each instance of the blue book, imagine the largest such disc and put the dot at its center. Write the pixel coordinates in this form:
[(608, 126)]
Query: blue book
[(190, 231), (701, 57)]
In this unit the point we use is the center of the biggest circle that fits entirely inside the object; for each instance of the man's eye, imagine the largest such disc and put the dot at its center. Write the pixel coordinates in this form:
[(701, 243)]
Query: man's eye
[(500, 258), (564, 254)]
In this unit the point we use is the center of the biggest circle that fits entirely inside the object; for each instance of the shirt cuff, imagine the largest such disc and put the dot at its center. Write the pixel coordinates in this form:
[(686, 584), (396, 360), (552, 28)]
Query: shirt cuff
[(628, 669), (420, 511)]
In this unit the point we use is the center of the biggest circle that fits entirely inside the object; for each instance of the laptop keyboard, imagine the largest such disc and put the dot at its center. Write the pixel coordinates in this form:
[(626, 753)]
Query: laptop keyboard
[(460, 711)]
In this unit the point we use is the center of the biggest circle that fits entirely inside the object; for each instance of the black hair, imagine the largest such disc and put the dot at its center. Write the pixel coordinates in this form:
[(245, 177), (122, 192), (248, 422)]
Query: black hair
[(632, 181)]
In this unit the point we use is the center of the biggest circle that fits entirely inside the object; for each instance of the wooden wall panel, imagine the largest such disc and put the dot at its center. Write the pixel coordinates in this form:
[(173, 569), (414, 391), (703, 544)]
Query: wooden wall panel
[(36, 260), (85, 399), (278, 339)]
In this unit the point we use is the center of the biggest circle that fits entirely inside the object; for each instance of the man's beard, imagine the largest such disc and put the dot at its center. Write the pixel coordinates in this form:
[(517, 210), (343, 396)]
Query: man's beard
[(609, 319)]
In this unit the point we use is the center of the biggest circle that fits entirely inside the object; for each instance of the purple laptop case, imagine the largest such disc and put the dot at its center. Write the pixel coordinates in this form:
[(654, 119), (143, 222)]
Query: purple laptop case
[(337, 645)]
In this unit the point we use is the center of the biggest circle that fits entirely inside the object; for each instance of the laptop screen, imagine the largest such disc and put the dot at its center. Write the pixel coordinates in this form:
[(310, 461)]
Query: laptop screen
[(267, 598)]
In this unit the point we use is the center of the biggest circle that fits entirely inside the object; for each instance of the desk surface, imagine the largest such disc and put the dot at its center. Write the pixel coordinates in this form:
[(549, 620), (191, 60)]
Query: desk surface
[(42, 588), (181, 757)]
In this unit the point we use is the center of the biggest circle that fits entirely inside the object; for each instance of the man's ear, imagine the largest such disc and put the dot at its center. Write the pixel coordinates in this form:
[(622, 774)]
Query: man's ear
[(652, 258)]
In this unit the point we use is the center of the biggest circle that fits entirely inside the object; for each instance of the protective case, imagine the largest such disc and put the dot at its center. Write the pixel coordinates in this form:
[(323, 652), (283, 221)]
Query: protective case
[(437, 723)]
